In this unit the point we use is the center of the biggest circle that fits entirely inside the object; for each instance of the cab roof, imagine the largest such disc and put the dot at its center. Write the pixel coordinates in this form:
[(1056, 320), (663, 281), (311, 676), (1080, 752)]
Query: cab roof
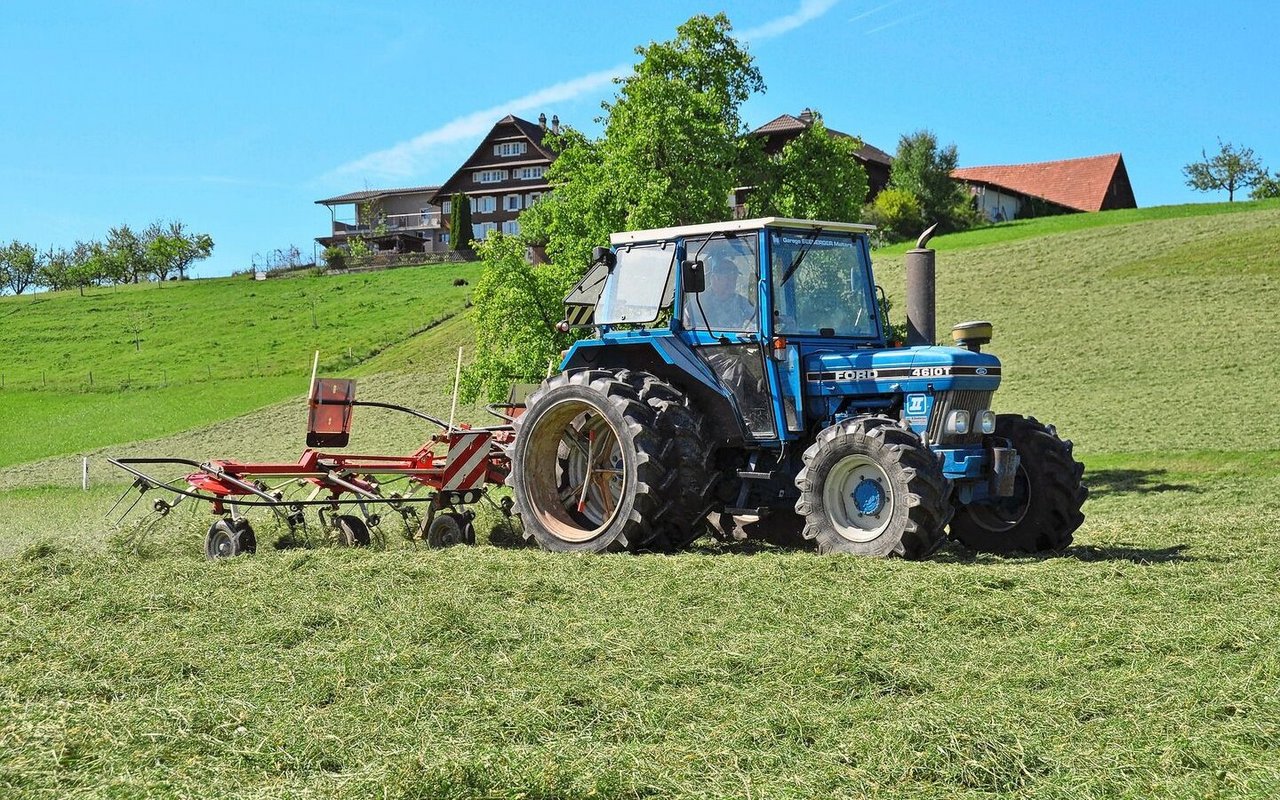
[(734, 226)]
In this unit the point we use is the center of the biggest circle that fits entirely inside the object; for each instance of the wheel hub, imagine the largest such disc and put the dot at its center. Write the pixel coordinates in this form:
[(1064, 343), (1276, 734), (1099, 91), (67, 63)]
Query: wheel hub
[(868, 497)]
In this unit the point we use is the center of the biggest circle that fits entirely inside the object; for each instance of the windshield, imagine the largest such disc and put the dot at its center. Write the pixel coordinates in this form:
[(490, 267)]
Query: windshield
[(821, 285), (638, 286)]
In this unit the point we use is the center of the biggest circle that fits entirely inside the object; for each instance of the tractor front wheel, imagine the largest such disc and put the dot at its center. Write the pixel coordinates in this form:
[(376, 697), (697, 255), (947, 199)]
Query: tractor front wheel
[(1044, 510), (871, 488), (587, 467)]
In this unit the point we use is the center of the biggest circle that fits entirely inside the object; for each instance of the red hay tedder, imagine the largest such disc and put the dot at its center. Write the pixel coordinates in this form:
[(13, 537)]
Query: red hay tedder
[(350, 493)]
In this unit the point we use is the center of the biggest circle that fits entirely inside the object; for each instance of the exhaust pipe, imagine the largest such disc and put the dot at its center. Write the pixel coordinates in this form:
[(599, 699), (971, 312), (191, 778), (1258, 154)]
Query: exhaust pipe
[(921, 291)]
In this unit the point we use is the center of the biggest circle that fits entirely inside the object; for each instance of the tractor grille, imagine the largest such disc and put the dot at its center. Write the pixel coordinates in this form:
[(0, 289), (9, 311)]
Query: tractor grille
[(970, 400)]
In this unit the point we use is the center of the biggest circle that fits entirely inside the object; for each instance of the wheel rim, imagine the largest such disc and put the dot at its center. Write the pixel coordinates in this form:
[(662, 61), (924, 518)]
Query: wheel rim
[(859, 498), (579, 474), (1005, 513), (222, 541), (445, 532)]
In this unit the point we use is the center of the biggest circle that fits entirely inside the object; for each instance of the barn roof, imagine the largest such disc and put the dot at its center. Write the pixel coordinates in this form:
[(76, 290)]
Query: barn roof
[(1083, 184)]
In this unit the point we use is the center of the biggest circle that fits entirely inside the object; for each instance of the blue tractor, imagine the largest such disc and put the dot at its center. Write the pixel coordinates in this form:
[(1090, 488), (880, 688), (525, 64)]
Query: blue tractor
[(741, 380)]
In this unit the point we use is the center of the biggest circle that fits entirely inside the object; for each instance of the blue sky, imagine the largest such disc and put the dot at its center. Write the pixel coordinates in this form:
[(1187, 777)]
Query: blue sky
[(235, 117)]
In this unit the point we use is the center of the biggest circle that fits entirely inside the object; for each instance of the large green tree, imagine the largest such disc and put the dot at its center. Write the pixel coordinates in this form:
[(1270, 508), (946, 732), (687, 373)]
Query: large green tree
[(517, 306), (672, 150), (924, 169), (1227, 170), (816, 176)]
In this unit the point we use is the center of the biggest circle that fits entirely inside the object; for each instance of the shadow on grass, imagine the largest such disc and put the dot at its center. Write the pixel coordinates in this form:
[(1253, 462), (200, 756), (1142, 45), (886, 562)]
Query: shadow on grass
[(953, 552), (1105, 482), (957, 553)]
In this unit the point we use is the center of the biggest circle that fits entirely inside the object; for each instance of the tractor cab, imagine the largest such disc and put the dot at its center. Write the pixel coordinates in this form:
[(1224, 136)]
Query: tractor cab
[(777, 318)]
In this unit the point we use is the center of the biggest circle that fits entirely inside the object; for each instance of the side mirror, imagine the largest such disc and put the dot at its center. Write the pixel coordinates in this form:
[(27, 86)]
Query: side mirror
[(693, 276), (603, 255)]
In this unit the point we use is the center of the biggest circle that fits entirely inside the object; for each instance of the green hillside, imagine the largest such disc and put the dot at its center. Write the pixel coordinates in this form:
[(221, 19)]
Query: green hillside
[(166, 357)]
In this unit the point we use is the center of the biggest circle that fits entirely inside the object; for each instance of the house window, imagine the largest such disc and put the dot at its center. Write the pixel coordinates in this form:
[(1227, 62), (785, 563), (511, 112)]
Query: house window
[(532, 198), (444, 238), (511, 228), (484, 205), (481, 230), (447, 207), (532, 173), (510, 148), (490, 176), (511, 202)]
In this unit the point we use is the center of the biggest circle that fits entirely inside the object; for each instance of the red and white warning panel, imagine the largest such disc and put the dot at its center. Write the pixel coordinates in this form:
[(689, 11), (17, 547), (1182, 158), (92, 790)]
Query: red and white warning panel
[(467, 462)]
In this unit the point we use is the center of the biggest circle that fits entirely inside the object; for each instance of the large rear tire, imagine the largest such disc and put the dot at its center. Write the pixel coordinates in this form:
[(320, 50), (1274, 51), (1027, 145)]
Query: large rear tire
[(587, 470), (681, 428), (1044, 511), (871, 488)]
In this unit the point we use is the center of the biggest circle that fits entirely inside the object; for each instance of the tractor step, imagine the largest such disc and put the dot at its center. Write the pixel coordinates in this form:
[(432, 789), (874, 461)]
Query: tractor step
[(760, 513), (748, 475)]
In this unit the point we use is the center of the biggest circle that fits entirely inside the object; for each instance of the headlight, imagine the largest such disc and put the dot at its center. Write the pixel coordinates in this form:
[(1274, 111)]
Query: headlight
[(958, 421), (987, 421)]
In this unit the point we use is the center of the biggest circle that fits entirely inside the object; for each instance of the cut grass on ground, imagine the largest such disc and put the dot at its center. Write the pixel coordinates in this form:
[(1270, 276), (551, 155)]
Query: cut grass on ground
[(1139, 663)]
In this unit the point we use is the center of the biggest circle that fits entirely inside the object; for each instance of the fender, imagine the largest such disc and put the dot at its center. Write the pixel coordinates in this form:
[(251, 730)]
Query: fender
[(669, 359)]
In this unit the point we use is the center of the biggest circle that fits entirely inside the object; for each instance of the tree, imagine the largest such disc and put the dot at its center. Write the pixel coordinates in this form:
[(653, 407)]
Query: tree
[(21, 266), (814, 177), (517, 305), (123, 257), (673, 146), (1266, 189), (460, 234), (172, 249), (1230, 169), (896, 215), (924, 170)]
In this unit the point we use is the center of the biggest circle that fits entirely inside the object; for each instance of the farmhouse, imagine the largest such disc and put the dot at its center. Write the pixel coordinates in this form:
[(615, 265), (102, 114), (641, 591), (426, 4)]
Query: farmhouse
[(505, 175), (1096, 183), (397, 220)]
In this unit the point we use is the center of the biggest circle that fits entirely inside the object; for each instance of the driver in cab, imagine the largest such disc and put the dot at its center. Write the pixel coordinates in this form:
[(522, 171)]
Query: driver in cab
[(725, 306)]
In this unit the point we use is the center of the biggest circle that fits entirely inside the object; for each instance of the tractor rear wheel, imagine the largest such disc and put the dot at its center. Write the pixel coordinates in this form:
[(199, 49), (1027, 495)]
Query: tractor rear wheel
[(587, 469), (870, 487), (682, 430), (1044, 510)]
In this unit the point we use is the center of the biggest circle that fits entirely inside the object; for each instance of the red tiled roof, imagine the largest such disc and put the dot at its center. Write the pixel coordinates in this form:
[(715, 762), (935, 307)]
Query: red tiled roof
[(1079, 183)]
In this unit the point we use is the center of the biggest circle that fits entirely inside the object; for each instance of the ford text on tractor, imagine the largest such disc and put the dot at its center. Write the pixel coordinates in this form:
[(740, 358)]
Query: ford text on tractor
[(741, 377)]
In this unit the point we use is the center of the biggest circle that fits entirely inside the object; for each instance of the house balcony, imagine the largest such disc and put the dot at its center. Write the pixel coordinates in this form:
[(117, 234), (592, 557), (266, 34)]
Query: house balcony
[(393, 223)]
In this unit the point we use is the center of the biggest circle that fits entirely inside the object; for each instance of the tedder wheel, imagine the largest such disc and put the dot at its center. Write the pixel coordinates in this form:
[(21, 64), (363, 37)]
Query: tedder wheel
[(587, 469), (1044, 510), (229, 538), (351, 530), (449, 529), (871, 487)]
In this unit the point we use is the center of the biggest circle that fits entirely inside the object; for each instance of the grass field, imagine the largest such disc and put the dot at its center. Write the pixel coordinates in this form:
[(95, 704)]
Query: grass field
[(1141, 662)]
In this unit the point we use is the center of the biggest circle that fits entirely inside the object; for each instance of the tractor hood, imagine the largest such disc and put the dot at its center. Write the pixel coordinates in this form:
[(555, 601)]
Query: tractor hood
[(909, 369)]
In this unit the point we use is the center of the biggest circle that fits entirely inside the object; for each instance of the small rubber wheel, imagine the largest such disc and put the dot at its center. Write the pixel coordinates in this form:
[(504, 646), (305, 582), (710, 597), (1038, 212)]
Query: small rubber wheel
[(229, 538), (446, 530), (352, 532)]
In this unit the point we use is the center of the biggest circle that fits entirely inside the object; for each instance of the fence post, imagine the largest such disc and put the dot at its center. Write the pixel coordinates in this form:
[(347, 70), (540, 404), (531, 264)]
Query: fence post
[(84, 473)]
